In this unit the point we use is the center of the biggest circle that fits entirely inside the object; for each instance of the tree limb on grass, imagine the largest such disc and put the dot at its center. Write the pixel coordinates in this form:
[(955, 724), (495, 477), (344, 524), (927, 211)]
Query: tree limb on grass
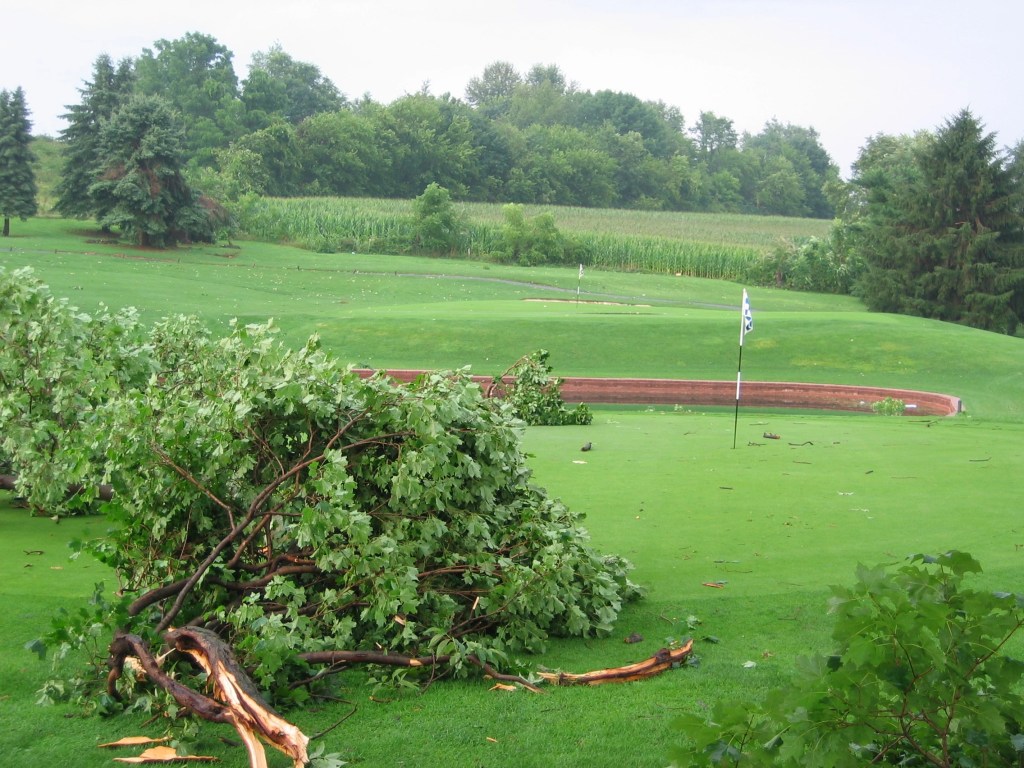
[(237, 700), (664, 659)]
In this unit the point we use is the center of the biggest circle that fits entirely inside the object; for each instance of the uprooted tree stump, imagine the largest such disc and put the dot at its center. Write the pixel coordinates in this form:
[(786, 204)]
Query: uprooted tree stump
[(236, 700)]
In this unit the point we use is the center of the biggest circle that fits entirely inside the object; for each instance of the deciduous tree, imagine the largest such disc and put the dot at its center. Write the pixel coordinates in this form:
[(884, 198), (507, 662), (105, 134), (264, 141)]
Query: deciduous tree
[(428, 139), (798, 149), (196, 75), (280, 87), (438, 224), (491, 93), (340, 154)]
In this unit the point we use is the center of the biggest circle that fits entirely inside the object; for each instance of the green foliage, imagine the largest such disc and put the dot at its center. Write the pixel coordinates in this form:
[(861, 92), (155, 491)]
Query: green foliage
[(278, 86), (920, 677), (889, 406), (195, 74), (535, 396), (57, 367), (531, 139), (723, 247), (278, 496), (527, 242), (49, 157), (17, 177), (141, 188), (109, 89), (822, 265), (438, 224), (940, 228)]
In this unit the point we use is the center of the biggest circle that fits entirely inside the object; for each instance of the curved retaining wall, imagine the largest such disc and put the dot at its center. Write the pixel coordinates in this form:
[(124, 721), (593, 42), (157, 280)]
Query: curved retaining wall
[(771, 394)]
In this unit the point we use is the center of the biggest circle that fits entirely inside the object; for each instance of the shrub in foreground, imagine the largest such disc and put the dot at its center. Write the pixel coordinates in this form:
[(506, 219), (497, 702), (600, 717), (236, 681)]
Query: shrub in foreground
[(920, 677)]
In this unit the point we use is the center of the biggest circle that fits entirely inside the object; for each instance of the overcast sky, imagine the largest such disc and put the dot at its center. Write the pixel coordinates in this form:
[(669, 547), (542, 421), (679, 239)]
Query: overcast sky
[(847, 68)]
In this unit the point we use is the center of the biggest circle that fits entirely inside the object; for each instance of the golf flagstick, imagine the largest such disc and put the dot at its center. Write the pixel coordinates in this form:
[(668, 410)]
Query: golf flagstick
[(746, 326)]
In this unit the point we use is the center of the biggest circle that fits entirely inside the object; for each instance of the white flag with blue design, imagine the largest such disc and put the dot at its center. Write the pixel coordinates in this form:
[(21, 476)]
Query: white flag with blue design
[(748, 317)]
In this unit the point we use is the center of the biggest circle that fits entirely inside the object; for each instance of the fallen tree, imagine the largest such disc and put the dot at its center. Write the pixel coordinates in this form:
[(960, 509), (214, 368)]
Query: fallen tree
[(58, 367), (295, 508)]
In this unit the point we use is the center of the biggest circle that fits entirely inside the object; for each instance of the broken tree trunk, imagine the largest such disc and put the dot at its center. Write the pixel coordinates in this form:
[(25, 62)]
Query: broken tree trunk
[(238, 702), (337, 658), (664, 659)]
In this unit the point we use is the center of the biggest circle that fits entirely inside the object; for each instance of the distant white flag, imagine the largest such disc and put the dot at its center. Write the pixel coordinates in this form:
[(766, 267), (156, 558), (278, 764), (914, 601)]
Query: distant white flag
[(581, 271), (748, 317)]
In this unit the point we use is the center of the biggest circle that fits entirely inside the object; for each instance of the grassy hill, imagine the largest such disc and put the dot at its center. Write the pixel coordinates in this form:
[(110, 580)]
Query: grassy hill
[(772, 523), (408, 312)]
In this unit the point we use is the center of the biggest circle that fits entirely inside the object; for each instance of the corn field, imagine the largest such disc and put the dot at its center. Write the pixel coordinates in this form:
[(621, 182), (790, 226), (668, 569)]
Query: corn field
[(717, 246), (329, 225)]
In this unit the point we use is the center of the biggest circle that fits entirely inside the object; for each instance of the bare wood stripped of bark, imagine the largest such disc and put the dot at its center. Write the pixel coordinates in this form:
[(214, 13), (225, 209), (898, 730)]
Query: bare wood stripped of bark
[(237, 703), (664, 659)]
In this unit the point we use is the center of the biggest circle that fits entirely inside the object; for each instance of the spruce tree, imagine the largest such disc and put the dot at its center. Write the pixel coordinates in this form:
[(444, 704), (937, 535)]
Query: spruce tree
[(108, 90), (141, 187), (17, 179), (947, 240)]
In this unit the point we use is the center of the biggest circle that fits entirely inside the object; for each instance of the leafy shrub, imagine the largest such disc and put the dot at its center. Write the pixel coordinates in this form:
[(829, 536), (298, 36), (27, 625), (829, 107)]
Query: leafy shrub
[(528, 242), (822, 265), (438, 225), (890, 406), (535, 396), (919, 677)]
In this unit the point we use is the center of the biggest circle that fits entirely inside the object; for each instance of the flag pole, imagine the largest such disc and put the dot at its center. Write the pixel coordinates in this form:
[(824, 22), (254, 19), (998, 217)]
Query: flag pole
[(579, 280), (736, 416), (746, 326)]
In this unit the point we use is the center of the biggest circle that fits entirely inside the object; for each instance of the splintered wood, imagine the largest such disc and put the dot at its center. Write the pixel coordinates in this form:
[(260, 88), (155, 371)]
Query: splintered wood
[(236, 700), (664, 659)]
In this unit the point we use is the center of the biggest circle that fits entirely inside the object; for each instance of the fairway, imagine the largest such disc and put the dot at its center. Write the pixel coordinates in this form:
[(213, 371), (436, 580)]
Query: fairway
[(408, 312)]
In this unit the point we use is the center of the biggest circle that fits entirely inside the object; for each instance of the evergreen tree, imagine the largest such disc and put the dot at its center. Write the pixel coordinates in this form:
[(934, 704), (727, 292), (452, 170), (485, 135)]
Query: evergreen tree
[(947, 242), (141, 186), (110, 88), (17, 179)]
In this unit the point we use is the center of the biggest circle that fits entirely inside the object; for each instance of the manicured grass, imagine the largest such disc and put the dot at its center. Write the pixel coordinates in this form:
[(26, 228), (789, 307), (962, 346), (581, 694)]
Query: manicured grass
[(777, 521), (405, 312)]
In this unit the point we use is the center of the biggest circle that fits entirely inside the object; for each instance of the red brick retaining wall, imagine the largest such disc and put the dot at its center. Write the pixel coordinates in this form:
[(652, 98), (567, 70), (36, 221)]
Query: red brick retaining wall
[(772, 394)]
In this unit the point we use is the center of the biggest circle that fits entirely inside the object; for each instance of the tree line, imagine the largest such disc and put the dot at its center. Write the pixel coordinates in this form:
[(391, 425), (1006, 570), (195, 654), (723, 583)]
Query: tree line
[(534, 137), (162, 146)]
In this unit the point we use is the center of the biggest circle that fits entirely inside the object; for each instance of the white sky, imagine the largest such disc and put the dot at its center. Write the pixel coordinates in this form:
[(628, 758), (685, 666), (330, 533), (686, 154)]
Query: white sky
[(847, 68)]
